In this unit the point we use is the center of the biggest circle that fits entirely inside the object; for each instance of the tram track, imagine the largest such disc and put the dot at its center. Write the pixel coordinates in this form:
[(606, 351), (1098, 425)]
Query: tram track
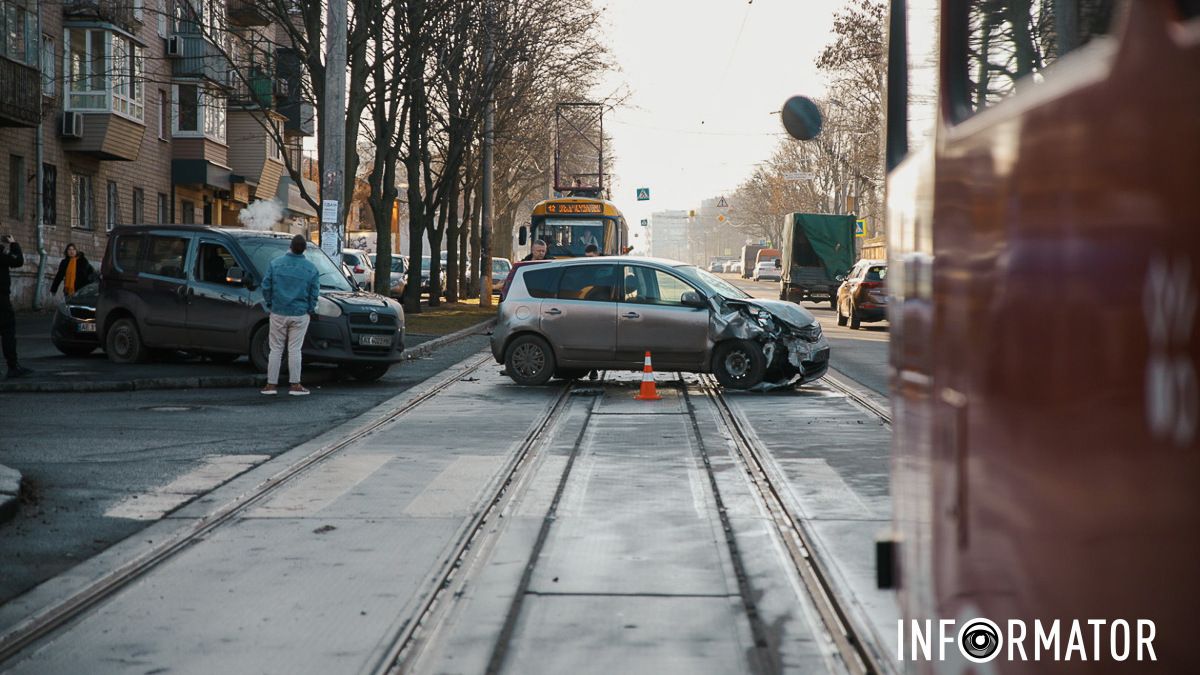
[(46, 621)]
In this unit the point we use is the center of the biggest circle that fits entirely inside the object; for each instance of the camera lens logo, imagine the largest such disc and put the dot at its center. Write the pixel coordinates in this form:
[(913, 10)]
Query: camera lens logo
[(979, 640)]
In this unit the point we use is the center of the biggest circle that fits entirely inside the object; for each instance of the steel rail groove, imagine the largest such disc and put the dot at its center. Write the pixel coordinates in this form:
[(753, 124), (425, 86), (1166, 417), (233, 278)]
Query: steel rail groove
[(854, 654), (49, 619)]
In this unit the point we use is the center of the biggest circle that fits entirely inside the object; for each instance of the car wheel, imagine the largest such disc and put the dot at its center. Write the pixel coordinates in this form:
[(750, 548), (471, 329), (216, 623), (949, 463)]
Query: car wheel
[(368, 373), (529, 360), (738, 364), (123, 344), (74, 350), (841, 317), (260, 349), (833, 302), (854, 322)]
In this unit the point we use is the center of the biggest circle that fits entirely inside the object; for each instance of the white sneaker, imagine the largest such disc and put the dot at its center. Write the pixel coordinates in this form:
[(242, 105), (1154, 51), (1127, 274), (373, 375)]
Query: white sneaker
[(298, 390)]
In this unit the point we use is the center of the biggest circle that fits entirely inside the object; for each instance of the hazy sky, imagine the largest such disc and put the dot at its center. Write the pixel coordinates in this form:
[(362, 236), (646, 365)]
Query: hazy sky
[(705, 77)]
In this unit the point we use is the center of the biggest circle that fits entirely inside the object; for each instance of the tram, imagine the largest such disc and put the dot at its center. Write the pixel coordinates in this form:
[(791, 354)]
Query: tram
[(568, 225), (1045, 272)]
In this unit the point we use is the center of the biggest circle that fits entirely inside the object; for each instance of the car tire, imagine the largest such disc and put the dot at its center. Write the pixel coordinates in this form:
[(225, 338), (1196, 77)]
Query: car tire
[(833, 302), (74, 350), (529, 360), (368, 373), (123, 343), (841, 318), (854, 321), (260, 349), (738, 364)]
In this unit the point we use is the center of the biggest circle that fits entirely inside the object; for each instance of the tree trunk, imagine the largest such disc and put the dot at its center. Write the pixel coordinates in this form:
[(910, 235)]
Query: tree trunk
[(476, 247), (452, 227)]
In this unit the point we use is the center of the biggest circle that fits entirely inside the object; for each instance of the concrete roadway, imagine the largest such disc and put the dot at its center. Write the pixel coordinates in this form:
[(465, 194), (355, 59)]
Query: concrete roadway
[(861, 355)]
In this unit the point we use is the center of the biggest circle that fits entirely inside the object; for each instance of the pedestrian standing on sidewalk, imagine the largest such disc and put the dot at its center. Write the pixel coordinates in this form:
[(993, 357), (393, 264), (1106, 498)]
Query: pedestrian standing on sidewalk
[(74, 272), (10, 258), (290, 291)]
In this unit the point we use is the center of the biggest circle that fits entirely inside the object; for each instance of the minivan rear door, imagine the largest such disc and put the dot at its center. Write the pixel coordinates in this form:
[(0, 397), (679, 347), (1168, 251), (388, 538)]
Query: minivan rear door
[(216, 310), (163, 287), (581, 322)]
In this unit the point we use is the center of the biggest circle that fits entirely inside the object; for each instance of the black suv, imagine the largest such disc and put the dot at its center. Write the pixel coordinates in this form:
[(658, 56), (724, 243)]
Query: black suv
[(196, 288)]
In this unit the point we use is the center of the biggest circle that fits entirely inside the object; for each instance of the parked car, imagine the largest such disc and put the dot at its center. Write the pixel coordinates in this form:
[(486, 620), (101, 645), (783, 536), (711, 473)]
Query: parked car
[(566, 317), (196, 288), (863, 294), (500, 270), (398, 280), (426, 262), (73, 329), (360, 266), (767, 270)]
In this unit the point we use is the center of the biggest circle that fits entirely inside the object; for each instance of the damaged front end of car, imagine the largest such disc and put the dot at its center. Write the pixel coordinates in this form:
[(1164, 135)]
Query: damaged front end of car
[(793, 346)]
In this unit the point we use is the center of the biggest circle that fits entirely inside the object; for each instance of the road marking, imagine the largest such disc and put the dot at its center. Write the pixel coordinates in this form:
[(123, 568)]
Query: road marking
[(214, 470), (321, 487), (454, 491), (822, 491)]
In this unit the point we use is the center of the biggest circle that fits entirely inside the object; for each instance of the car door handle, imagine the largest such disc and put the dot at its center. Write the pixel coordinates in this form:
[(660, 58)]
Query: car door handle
[(631, 315), (554, 311)]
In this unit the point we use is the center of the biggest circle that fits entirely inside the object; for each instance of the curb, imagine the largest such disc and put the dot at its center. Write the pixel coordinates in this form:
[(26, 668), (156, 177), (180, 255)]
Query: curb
[(210, 382), (10, 493)]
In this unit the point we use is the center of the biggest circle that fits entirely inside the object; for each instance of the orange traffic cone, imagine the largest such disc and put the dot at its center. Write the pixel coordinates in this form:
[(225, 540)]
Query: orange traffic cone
[(648, 391)]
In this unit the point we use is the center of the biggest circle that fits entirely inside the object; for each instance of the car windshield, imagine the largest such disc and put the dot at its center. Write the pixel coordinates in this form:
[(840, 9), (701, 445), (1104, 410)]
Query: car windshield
[(501, 266), (425, 261), (714, 285), (262, 250)]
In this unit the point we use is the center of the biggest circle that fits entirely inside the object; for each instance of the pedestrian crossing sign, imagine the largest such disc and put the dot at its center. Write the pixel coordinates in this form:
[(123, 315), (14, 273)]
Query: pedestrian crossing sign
[(643, 194), (860, 227)]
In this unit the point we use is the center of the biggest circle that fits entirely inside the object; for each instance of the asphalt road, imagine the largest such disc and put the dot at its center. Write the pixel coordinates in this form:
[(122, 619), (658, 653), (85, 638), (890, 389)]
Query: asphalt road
[(86, 453), (861, 355)]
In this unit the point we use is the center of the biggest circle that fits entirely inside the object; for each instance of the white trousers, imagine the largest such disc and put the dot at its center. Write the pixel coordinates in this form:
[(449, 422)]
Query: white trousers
[(286, 330)]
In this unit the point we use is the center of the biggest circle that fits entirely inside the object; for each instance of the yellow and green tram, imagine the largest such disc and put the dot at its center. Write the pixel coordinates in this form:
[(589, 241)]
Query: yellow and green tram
[(569, 224)]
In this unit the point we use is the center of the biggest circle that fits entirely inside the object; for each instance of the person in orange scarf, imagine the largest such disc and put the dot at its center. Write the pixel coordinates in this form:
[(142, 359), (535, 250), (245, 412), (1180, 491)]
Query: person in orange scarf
[(74, 272)]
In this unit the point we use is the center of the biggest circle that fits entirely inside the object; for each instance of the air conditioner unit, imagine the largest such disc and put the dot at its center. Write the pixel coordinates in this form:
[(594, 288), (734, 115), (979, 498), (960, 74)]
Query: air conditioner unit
[(174, 46), (72, 125), (281, 88)]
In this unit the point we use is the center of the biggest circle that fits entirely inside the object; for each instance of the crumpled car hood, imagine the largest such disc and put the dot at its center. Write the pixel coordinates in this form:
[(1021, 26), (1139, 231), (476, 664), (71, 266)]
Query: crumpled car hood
[(788, 312)]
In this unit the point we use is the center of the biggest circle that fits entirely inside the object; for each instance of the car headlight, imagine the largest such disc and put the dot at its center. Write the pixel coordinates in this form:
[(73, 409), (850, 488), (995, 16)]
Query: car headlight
[(812, 332), (328, 308)]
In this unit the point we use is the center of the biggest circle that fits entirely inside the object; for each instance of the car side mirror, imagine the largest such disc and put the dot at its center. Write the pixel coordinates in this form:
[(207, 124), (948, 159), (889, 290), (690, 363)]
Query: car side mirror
[(235, 276), (523, 235), (693, 299)]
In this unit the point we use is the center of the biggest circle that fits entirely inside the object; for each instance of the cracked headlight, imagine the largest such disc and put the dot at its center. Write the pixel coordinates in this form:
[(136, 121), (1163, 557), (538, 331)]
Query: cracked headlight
[(811, 332)]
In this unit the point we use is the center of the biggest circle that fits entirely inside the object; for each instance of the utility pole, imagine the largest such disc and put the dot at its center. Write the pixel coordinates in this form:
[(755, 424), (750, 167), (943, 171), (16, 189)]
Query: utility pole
[(489, 129), (333, 143)]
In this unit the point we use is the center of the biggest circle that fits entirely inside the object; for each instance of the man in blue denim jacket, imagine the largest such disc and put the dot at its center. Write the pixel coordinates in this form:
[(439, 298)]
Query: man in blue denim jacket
[(290, 291)]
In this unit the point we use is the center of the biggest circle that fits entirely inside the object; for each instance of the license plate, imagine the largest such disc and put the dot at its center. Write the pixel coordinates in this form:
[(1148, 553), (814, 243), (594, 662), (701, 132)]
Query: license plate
[(375, 340), (86, 327)]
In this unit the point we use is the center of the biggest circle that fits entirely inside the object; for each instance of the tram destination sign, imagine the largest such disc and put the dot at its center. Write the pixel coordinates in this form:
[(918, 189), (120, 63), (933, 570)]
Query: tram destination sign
[(574, 208)]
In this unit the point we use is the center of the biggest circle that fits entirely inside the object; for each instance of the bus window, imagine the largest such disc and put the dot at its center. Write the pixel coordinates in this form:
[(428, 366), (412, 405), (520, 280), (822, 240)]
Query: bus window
[(1010, 42)]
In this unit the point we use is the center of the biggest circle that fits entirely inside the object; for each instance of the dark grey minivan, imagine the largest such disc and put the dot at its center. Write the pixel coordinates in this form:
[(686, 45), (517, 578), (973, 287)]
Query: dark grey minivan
[(196, 288)]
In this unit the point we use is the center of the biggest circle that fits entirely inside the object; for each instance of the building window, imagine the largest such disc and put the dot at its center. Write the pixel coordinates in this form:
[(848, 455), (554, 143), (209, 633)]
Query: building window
[(18, 36), (274, 150), (49, 194), (139, 206), (164, 214), (112, 207), (139, 12), (189, 212), (105, 73), (164, 115), (48, 84), (198, 112), (83, 204), (163, 19), (16, 186)]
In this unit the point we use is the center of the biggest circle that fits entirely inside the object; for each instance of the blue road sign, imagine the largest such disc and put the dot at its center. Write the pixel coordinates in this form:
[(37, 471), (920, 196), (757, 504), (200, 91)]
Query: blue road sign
[(860, 228), (643, 194)]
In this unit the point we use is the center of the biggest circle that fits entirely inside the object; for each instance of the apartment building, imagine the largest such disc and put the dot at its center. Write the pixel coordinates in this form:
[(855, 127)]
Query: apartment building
[(141, 111)]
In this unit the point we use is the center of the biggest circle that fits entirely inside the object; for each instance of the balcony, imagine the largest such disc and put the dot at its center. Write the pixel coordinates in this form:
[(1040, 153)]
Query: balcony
[(300, 114), (108, 136), (255, 88), (196, 57), (20, 92), (119, 12), (248, 13)]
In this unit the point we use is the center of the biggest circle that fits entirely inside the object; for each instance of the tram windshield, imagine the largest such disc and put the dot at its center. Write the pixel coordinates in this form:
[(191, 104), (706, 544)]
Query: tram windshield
[(570, 237)]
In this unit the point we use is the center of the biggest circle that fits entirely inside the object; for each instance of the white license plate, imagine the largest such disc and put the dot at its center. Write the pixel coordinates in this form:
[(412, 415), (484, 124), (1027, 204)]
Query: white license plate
[(375, 340), (86, 327)]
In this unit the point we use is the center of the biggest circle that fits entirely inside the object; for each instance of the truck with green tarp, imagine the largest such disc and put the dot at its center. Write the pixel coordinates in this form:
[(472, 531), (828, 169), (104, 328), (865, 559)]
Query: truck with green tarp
[(818, 248)]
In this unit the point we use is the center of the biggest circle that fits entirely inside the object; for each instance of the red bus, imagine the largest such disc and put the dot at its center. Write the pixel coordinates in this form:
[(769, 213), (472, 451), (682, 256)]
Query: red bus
[(1044, 244)]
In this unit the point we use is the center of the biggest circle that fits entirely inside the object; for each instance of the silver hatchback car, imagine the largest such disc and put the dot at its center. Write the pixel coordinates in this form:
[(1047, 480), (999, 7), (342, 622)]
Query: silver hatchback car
[(566, 317)]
